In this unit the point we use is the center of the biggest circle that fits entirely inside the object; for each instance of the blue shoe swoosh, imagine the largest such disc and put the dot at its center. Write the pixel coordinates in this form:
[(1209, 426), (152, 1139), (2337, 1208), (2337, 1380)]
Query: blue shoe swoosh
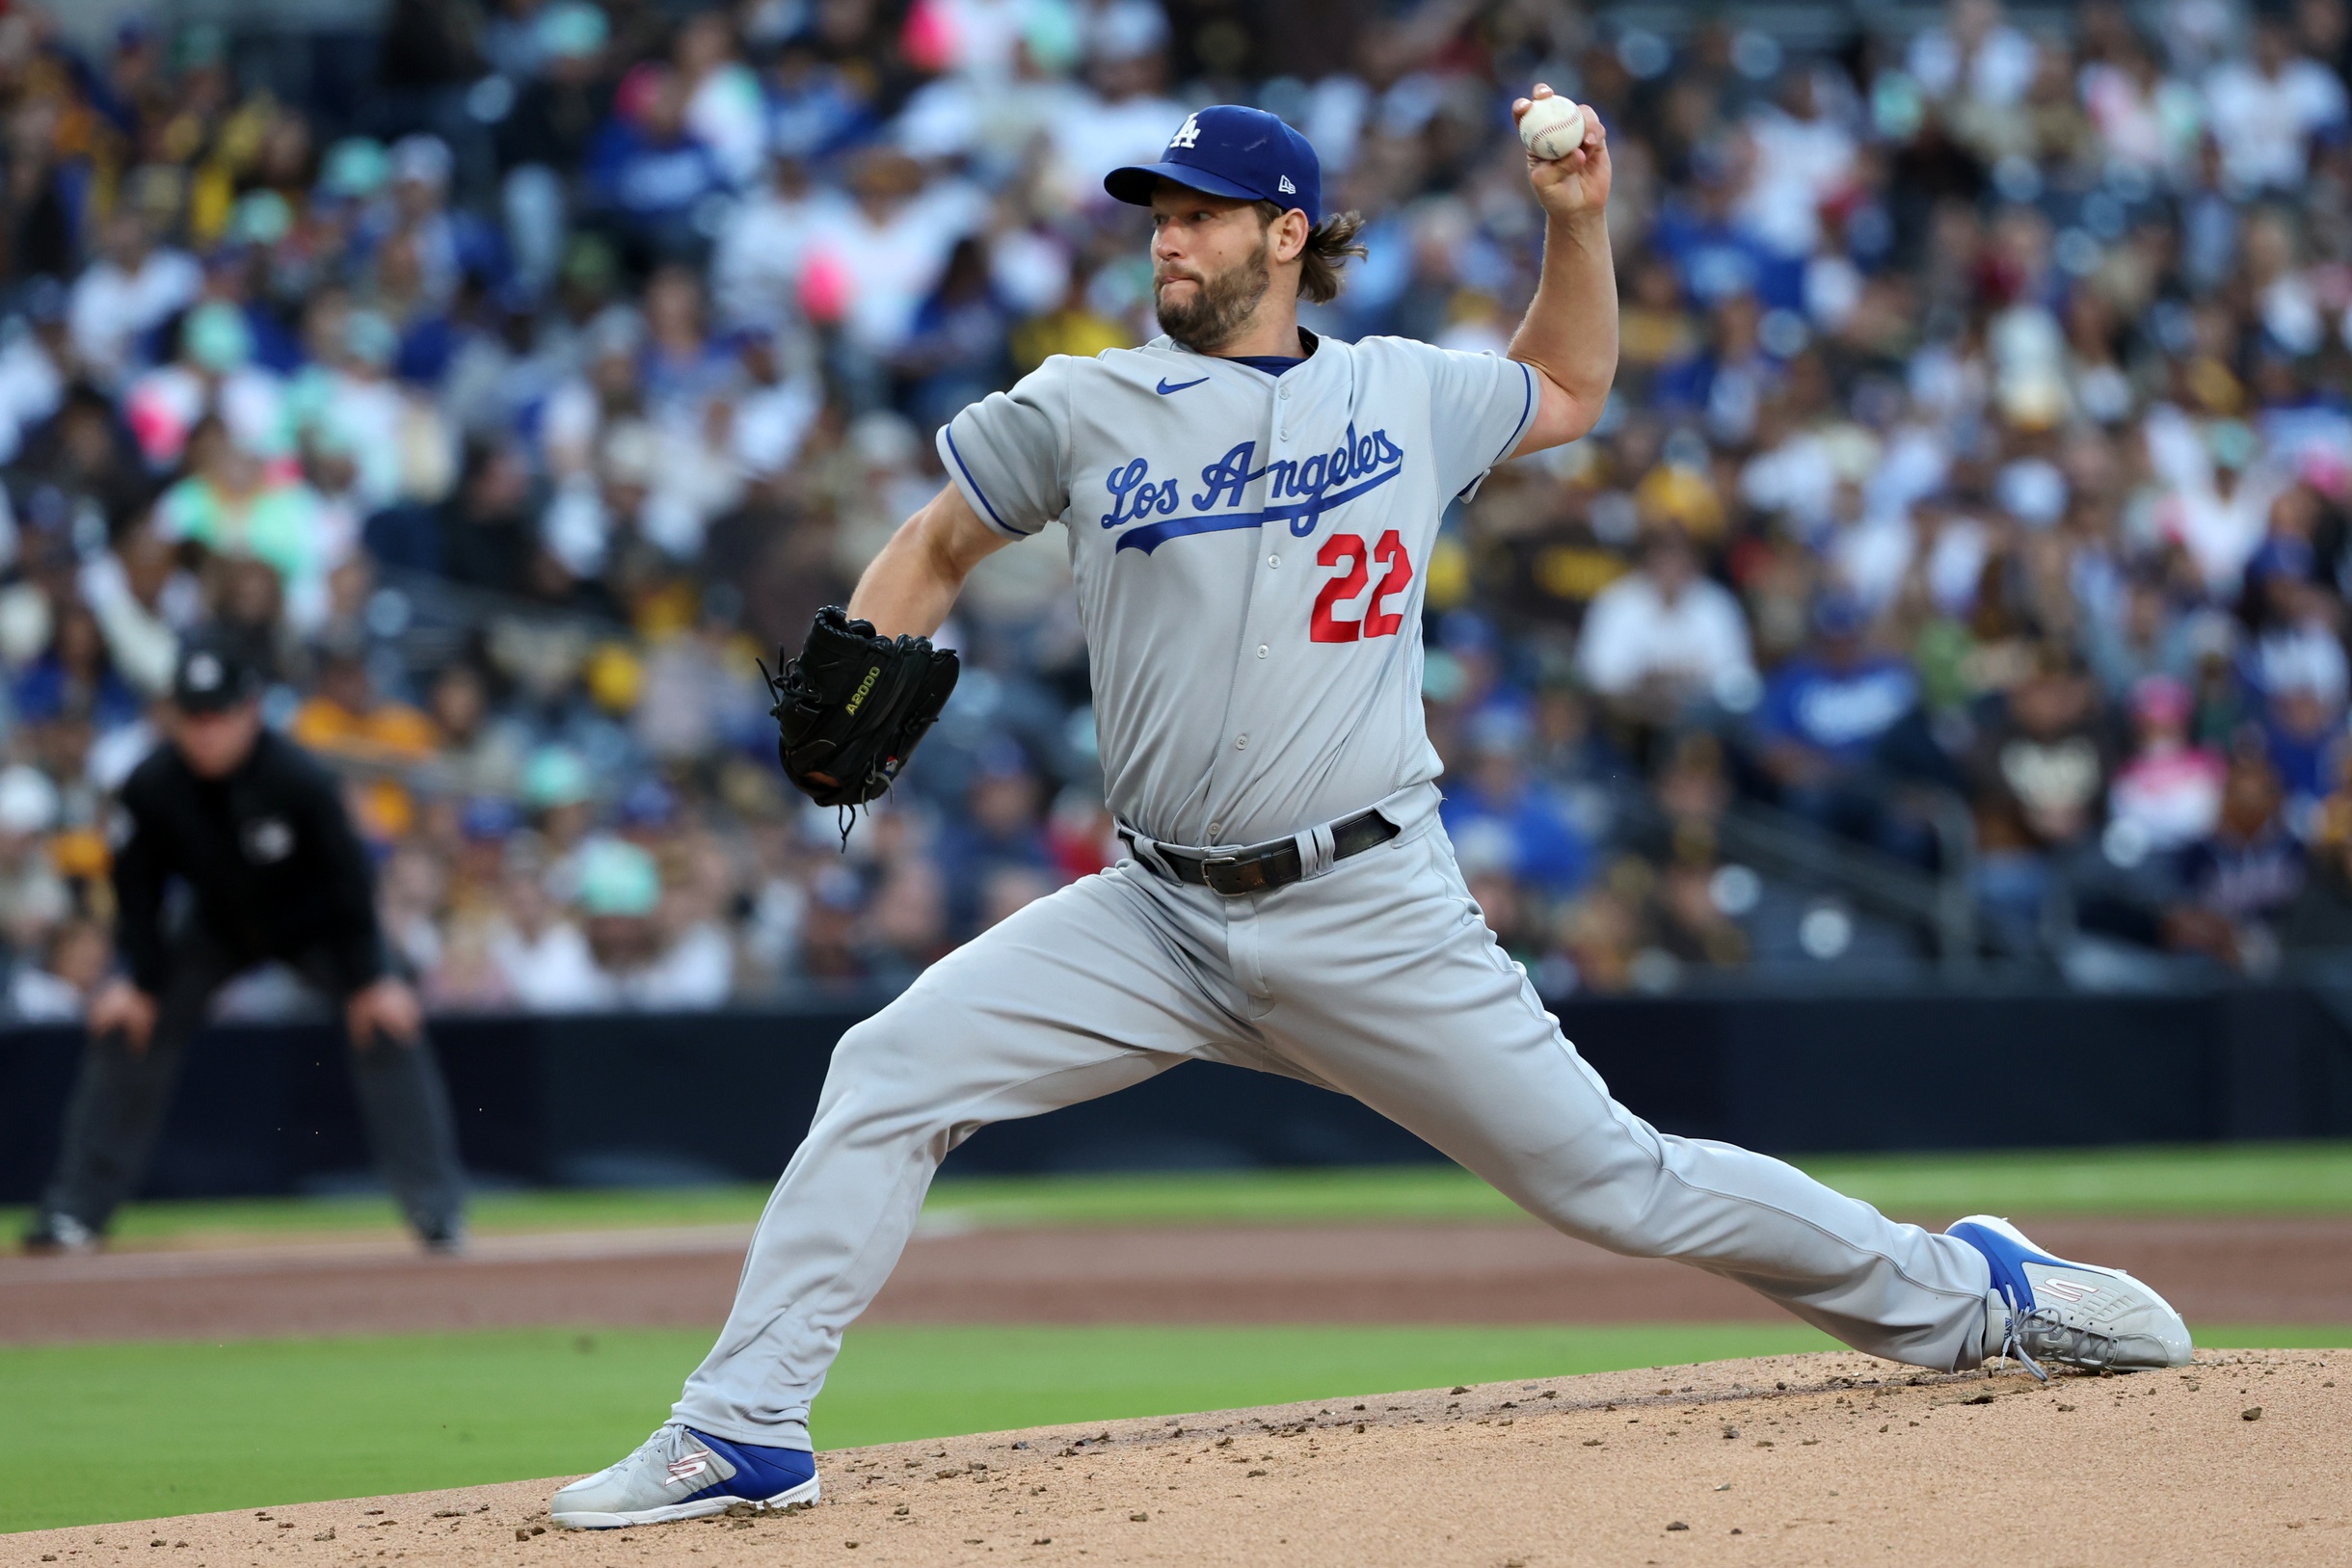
[(1165, 388)]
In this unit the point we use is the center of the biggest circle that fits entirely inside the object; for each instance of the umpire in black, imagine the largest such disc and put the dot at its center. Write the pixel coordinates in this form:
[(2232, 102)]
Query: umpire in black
[(238, 850)]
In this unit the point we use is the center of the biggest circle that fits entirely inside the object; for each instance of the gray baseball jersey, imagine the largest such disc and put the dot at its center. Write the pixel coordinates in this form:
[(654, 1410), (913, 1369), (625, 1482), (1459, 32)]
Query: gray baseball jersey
[(1247, 554)]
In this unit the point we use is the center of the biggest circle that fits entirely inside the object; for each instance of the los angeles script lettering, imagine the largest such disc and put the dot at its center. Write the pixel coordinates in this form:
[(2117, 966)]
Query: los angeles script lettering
[(1135, 496)]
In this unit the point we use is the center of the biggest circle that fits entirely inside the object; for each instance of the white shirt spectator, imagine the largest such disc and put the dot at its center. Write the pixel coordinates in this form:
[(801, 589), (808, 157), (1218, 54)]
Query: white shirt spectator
[(1697, 640), (692, 483), (1094, 135), (31, 389), (1798, 165), (552, 972), (1797, 478), (38, 996), (139, 639), (112, 306), (984, 35), (890, 263), (164, 405), (2221, 531), (728, 114), (2305, 656), (770, 423), (756, 265), (1996, 68), (696, 974), (2144, 120), (2264, 122)]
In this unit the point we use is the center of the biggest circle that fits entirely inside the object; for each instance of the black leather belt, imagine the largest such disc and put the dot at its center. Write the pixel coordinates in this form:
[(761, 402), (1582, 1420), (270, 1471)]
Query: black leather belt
[(1274, 864)]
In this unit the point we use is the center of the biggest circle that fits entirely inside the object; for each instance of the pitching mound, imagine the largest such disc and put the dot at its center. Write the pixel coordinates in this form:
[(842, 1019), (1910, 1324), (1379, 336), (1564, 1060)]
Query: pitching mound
[(2245, 1457)]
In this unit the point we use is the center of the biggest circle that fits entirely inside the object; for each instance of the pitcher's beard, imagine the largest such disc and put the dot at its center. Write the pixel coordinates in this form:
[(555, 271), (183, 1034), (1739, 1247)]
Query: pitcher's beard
[(1220, 307)]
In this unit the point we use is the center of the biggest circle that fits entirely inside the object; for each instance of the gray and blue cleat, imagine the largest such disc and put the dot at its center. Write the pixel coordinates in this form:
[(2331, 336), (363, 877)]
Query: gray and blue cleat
[(681, 1473), (2042, 1308)]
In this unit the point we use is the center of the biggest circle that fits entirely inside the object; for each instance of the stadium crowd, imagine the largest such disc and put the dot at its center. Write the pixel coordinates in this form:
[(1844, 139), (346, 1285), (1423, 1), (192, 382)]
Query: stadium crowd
[(1979, 452)]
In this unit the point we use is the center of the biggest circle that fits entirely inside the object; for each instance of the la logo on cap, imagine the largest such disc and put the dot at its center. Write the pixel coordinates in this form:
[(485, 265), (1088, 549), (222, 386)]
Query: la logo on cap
[(1187, 134), (204, 671)]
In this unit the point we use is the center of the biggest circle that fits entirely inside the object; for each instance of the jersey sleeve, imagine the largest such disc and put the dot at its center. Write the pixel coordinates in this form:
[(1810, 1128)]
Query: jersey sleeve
[(1005, 452), (1480, 407)]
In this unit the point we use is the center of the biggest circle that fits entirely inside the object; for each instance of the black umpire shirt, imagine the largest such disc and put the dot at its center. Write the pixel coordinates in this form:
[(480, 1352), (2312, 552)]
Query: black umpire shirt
[(269, 854)]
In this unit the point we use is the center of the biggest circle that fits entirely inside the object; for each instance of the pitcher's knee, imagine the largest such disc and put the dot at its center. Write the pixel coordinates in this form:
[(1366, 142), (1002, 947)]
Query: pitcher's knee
[(899, 1061)]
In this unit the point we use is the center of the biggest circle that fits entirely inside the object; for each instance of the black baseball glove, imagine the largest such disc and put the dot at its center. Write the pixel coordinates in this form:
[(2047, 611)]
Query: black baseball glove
[(849, 711)]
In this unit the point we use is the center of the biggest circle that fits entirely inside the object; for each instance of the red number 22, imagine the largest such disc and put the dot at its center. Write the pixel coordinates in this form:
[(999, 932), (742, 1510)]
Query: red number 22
[(1348, 549)]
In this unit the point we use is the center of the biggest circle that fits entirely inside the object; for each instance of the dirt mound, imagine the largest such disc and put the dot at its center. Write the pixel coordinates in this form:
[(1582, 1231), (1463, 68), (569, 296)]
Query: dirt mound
[(2245, 1457)]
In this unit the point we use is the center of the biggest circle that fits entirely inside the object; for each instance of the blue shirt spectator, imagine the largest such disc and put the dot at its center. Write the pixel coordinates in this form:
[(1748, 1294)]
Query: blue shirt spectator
[(1832, 702), (1504, 814), (650, 172)]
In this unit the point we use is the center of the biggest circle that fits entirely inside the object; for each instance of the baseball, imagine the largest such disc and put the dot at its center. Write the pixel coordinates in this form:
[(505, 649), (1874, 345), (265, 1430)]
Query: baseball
[(1552, 127)]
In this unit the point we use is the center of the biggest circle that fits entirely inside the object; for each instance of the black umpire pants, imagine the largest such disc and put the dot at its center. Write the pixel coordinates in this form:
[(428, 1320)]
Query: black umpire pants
[(120, 1099)]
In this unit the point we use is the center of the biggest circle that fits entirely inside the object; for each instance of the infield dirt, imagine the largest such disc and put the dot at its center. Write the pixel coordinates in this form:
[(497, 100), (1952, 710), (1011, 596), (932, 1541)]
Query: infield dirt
[(2277, 1270), (2244, 1457)]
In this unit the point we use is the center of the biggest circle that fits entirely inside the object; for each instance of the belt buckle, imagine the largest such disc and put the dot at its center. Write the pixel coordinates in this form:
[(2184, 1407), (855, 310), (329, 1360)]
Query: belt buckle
[(1231, 875)]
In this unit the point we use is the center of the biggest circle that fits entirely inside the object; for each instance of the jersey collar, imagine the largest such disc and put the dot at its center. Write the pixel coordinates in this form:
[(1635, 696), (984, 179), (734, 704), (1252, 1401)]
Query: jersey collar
[(1169, 345)]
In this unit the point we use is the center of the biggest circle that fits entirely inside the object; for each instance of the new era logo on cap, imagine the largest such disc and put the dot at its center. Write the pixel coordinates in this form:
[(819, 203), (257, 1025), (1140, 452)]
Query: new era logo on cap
[(1285, 187)]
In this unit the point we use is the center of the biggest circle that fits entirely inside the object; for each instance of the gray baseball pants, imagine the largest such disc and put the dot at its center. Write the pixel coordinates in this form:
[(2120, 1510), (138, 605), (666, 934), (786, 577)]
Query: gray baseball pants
[(1378, 978)]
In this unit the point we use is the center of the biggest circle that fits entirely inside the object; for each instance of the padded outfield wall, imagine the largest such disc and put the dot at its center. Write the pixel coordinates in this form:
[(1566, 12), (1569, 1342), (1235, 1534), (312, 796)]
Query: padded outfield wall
[(640, 1099)]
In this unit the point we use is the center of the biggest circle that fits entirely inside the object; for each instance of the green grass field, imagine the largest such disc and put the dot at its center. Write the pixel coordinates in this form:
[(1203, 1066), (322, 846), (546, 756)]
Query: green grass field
[(95, 1433), (2213, 1178)]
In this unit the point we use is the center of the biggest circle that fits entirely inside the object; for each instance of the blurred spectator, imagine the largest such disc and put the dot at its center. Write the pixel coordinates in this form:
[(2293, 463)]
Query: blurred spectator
[(2241, 876), (33, 898), (543, 958), (1001, 826), (58, 988), (131, 287), (649, 174), (641, 960), (2039, 777), (1663, 635), (2266, 109), (1822, 717), (347, 716), (2168, 796), (1500, 815)]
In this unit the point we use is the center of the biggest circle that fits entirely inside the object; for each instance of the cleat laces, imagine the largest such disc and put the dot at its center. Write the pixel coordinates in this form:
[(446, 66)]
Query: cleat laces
[(2013, 1343), (2059, 1340), (665, 1448)]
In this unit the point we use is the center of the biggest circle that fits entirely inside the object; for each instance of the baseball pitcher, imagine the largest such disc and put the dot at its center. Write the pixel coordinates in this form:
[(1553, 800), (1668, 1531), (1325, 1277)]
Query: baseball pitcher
[(1250, 510)]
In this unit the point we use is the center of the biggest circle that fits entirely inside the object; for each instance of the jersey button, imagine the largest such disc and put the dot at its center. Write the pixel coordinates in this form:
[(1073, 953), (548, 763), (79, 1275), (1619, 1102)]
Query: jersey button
[(1215, 828), (1241, 744), (1273, 560), (1286, 391), (1261, 651)]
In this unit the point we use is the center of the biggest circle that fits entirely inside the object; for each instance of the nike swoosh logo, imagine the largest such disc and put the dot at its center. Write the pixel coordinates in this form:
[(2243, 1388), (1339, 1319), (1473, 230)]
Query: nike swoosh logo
[(1165, 388)]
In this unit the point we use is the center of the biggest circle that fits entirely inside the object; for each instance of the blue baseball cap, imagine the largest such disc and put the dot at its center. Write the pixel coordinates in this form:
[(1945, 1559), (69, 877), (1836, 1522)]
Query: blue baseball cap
[(1226, 149)]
